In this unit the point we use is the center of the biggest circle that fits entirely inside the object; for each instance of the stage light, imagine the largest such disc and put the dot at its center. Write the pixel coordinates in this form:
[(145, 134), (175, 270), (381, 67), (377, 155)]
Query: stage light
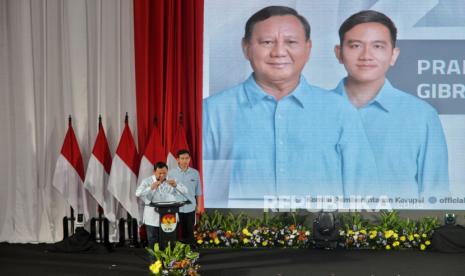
[(449, 219), (326, 230)]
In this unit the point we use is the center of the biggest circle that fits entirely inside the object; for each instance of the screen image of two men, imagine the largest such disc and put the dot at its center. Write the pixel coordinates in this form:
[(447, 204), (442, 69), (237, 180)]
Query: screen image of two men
[(276, 134)]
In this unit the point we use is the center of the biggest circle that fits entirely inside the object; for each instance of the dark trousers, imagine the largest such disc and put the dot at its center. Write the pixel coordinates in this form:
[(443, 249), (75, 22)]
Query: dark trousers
[(153, 236), (187, 222)]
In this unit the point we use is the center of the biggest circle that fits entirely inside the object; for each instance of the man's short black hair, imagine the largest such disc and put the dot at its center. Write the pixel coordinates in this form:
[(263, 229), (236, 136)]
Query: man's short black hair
[(182, 151), (368, 16), (270, 11), (160, 165)]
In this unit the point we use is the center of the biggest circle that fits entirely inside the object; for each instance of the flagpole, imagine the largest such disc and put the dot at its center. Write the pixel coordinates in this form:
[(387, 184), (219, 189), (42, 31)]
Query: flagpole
[(131, 223), (100, 209), (71, 207)]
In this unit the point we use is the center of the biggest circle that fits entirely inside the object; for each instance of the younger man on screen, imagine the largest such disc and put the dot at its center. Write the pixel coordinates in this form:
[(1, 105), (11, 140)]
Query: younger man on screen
[(404, 132)]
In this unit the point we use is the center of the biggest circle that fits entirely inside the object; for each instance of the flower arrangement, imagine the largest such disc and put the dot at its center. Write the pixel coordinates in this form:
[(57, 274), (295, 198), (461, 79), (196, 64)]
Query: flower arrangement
[(218, 230), (390, 232), (176, 261)]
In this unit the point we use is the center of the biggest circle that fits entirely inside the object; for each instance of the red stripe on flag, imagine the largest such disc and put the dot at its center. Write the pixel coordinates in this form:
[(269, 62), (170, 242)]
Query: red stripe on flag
[(127, 150), (155, 151), (101, 149), (70, 150), (180, 141)]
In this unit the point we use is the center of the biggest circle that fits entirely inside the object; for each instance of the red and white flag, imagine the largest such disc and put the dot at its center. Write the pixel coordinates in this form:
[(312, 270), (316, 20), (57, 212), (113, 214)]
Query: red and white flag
[(123, 176), (68, 177), (154, 152), (98, 171), (180, 142)]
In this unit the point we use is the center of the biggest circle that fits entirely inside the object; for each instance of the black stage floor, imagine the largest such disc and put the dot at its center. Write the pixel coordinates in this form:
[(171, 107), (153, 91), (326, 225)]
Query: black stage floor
[(28, 259)]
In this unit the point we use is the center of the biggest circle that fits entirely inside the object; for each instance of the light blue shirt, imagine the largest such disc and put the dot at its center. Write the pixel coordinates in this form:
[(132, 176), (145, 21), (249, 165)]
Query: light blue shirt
[(408, 144), (190, 179), (309, 143)]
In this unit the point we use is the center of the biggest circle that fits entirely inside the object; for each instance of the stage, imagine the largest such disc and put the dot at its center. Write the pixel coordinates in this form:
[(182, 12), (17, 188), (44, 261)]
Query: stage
[(34, 259)]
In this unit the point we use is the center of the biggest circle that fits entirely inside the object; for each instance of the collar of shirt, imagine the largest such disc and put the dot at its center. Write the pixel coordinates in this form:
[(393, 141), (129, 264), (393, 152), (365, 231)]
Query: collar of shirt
[(255, 93), (384, 99), (181, 171)]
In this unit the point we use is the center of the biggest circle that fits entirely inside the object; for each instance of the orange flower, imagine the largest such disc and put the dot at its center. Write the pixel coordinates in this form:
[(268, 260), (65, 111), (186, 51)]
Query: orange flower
[(191, 272), (212, 235), (181, 264)]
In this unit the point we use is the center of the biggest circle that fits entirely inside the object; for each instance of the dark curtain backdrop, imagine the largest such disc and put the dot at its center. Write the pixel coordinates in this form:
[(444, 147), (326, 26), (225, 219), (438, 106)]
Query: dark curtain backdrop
[(168, 54)]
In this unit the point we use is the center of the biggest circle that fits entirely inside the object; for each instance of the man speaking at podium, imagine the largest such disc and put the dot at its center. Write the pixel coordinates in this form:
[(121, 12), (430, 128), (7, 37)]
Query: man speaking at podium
[(157, 188)]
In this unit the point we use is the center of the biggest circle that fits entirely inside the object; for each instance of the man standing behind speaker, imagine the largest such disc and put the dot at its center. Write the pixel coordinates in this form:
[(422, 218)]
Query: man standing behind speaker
[(190, 179), (404, 132)]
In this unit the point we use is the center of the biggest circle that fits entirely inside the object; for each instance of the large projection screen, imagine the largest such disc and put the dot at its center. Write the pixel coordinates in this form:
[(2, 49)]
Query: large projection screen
[(431, 66)]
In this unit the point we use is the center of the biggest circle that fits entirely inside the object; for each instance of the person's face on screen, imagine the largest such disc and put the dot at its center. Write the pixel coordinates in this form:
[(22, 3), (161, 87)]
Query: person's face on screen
[(183, 160), (277, 50), (160, 173), (367, 52)]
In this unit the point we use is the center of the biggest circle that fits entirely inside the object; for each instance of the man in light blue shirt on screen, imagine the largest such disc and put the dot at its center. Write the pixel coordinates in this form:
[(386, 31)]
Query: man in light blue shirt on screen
[(404, 132), (275, 134)]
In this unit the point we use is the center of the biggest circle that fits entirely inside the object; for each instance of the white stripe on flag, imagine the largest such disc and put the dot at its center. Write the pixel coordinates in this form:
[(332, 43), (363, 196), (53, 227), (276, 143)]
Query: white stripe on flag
[(68, 182), (122, 185)]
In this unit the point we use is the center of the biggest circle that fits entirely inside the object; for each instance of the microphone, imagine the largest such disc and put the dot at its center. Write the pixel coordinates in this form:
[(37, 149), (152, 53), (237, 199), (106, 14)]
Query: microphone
[(188, 201)]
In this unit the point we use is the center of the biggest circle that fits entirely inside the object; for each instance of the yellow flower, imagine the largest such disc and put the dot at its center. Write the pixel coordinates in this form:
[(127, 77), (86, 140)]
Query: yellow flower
[(422, 247), (416, 235), (264, 243), (427, 242), (372, 236), (200, 241), (217, 241), (410, 237), (350, 232), (423, 235), (402, 238), (395, 235), (246, 232), (388, 247), (245, 241), (395, 244), (155, 267), (363, 231), (388, 233)]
